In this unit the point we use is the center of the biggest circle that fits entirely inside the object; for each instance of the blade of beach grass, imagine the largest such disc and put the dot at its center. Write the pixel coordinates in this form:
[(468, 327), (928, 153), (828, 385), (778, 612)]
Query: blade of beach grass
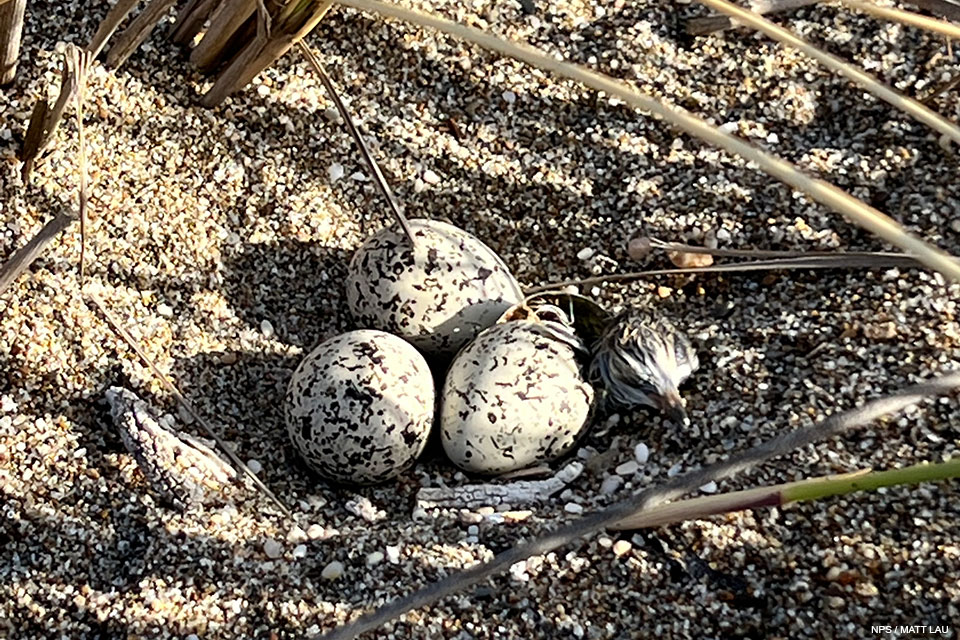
[(818, 190), (780, 495), (641, 502), (942, 8), (908, 105), (368, 158), (222, 28), (905, 17), (24, 256), (768, 253), (11, 31), (712, 23), (838, 261), (95, 303), (81, 58), (117, 14), (190, 20)]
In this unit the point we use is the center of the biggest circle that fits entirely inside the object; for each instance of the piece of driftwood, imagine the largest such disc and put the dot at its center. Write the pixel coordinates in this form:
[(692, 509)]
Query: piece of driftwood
[(514, 494), (643, 502), (223, 27), (138, 31), (116, 15), (718, 22), (11, 29), (95, 303), (182, 470), (293, 23)]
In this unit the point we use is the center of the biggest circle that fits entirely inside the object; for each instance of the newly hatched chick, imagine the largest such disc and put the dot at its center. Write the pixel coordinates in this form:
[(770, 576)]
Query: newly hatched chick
[(642, 360)]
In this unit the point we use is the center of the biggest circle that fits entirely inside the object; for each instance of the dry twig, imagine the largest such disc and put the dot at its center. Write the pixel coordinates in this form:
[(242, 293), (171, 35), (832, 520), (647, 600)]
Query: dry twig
[(117, 14), (138, 31), (718, 22), (11, 30)]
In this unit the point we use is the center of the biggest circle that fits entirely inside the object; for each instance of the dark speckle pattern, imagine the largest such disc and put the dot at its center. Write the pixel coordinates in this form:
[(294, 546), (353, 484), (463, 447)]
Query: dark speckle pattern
[(513, 398), (360, 407), (439, 299)]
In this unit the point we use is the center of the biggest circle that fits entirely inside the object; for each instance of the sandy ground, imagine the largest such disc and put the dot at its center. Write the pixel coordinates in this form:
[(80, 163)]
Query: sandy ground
[(221, 238)]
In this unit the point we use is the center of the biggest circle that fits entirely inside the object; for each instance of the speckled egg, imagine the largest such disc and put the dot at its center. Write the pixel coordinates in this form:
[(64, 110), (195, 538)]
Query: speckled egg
[(513, 398), (439, 297), (360, 407)]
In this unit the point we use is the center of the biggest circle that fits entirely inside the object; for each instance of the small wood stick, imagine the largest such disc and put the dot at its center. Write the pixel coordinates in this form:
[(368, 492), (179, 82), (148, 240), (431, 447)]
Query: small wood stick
[(81, 58), (515, 494), (24, 257), (11, 30), (34, 145), (138, 31), (117, 14), (191, 18), (717, 22), (114, 324)]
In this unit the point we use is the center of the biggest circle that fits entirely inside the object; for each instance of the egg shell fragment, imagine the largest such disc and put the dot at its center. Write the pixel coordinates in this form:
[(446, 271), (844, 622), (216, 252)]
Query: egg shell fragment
[(513, 398), (360, 407), (439, 297)]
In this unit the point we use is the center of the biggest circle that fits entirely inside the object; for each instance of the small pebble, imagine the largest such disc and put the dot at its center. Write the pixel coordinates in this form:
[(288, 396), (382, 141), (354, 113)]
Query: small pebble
[(393, 554), (610, 485), (509, 97), (639, 248), (710, 487), (272, 548), (165, 310), (316, 532), (674, 470), (431, 177), (266, 328), (641, 453), (300, 551), (573, 507), (335, 171), (585, 253), (621, 547), (296, 535), (375, 558), (627, 468), (473, 530), (254, 466), (332, 571)]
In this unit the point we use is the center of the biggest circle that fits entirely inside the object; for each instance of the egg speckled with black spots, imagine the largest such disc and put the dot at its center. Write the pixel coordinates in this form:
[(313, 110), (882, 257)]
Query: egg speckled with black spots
[(360, 407), (440, 297), (513, 398)]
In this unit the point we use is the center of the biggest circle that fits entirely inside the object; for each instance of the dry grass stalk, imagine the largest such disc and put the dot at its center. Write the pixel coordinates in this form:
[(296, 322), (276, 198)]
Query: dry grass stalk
[(223, 27), (371, 163), (887, 94), (138, 30), (713, 23), (43, 120), (191, 18), (905, 17), (942, 8), (819, 190), (81, 59), (25, 255), (11, 30), (295, 21), (117, 14), (95, 302), (646, 500)]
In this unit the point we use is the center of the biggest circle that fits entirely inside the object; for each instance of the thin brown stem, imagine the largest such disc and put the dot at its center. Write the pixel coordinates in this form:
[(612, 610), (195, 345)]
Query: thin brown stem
[(11, 30), (23, 257), (138, 31), (117, 14)]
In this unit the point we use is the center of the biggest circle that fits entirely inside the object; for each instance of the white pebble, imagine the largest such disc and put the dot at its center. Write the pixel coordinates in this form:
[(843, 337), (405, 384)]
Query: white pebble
[(729, 127), (393, 555), (585, 254), (165, 310), (509, 97), (375, 558), (332, 571), (431, 177), (254, 465), (573, 507), (621, 547), (610, 485), (710, 487), (641, 453), (359, 176), (300, 551), (296, 535), (335, 171), (627, 468), (473, 530), (272, 548), (674, 470), (315, 532), (266, 328)]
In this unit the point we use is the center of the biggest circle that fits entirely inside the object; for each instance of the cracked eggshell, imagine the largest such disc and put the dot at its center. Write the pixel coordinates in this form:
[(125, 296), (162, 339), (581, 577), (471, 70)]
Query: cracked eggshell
[(438, 298), (513, 398), (360, 407)]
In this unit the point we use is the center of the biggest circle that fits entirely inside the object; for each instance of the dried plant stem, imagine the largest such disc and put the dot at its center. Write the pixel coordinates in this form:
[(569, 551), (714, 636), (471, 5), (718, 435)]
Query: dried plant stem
[(783, 494), (222, 28), (908, 105), (190, 20), (942, 8), (905, 17), (94, 301), (11, 30), (712, 23), (138, 31), (117, 14), (643, 501), (81, 59), (295, 21), (819, 190), (24, 256), (368, 158)]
